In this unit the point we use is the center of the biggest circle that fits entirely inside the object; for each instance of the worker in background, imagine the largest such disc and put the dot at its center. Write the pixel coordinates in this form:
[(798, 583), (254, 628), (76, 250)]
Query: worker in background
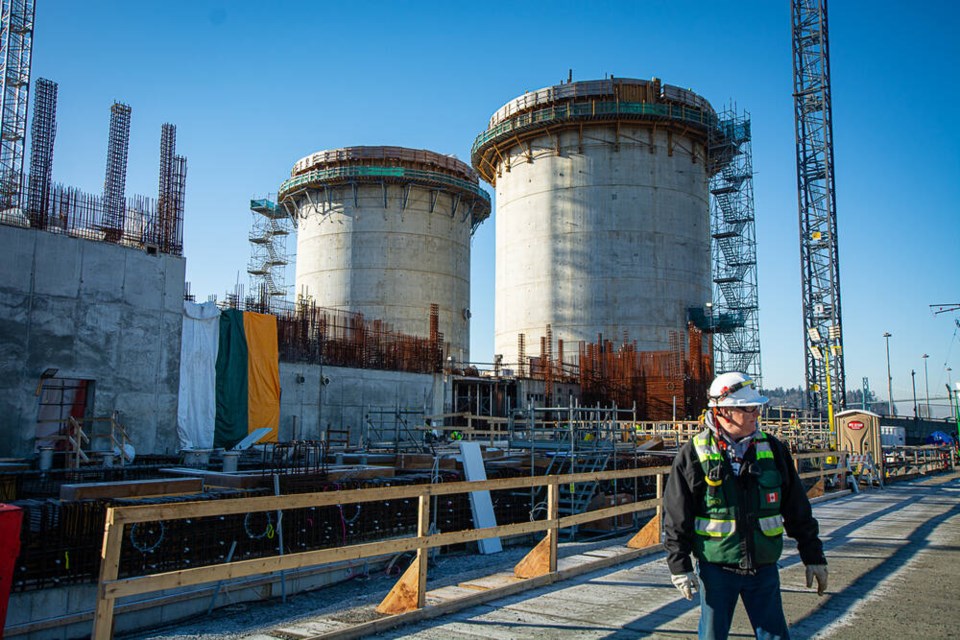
[(732, 492)]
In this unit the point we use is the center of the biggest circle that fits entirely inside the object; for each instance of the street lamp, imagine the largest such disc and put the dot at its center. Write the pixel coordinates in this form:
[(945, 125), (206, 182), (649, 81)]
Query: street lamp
[(926, 384), (887, 334), (913, 381)]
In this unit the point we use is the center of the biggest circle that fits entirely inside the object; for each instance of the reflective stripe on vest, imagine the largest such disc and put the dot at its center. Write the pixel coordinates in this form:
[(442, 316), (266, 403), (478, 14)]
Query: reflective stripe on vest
[(706, 448), (714, 528), (763, 447), (771, 526)]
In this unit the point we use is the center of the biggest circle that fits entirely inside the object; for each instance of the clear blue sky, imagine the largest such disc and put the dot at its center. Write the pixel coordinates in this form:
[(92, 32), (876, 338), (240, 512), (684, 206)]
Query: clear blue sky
[(254, 86)]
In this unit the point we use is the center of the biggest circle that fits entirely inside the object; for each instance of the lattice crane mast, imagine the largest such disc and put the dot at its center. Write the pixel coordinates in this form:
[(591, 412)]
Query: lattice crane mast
[(819, 259), (16, 49)]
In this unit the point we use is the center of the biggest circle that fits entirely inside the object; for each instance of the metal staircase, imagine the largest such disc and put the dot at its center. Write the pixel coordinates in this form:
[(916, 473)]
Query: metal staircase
[(575, 498)]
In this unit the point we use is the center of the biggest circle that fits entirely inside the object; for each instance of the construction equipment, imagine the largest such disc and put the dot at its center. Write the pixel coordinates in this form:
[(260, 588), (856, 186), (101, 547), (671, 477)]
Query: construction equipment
[(819, 260)]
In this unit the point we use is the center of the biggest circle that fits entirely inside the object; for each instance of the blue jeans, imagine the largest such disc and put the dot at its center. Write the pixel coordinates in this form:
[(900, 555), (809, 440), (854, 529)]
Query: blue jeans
[(719, 590)]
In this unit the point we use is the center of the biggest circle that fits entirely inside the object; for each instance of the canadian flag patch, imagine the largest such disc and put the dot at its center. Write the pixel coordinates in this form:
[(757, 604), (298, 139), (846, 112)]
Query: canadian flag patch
[(771, 497)]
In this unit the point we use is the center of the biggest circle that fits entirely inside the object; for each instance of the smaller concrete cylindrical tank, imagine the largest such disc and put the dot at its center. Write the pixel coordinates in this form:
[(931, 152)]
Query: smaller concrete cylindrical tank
[(385, 231)]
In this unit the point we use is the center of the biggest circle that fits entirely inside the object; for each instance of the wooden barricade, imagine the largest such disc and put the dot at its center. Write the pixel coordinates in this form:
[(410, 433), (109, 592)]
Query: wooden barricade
[(409, 592)]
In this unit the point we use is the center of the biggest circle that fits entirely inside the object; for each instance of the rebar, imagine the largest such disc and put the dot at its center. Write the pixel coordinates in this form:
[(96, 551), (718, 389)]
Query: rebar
[(115, 180), (42, 135)]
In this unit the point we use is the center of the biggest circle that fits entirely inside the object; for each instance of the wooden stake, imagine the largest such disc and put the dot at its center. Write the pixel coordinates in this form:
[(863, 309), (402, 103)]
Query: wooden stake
[(410, 592), (109, 570), (542, 559)]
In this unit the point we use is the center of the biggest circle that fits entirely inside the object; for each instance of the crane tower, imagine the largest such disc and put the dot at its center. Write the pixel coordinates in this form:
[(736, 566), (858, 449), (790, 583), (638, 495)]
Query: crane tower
[(819, 260), (16, 49)]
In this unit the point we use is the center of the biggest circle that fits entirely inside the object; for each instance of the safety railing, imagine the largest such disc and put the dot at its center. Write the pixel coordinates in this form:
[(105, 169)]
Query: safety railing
[(594, 109), (539, 562), (901, 462), (410, 591), (396, 173)]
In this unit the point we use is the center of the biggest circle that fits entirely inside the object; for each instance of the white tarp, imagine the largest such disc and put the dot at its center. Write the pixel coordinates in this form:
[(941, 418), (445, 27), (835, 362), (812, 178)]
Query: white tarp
[(197, 409)]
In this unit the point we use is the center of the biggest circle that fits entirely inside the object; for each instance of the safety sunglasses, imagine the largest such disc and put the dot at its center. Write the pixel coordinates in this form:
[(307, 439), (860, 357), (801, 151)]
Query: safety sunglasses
[(750, 410)]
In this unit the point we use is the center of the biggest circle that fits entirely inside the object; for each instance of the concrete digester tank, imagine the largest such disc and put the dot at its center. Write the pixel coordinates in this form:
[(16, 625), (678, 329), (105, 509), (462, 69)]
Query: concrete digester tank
[(602, 210), (385, 231)]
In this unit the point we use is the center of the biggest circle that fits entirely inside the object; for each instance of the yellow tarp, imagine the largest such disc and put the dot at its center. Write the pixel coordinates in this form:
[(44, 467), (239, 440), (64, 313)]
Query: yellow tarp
[(263, 369)]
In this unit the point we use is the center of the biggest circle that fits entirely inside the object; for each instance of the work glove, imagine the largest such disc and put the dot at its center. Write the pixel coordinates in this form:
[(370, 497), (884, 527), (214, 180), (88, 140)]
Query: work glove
[(687, 584), (818, 571)]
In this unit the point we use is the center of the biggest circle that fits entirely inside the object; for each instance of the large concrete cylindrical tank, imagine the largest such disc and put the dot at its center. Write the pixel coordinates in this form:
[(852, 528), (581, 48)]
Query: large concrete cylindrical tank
[(602, 210), (385, 231)]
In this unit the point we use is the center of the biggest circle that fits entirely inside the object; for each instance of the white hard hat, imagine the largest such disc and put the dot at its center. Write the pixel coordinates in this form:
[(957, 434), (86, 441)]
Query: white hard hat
[(734, 389)]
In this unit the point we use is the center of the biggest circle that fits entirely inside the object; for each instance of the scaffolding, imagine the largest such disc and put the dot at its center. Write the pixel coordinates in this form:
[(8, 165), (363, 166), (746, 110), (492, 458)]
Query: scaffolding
[(16, 49), (115, 179), (733, 318), (42, 134), (268, 250)]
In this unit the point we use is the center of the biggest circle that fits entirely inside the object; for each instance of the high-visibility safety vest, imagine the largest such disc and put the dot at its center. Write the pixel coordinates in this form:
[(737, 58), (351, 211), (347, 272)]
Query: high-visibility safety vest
[(722, 522)]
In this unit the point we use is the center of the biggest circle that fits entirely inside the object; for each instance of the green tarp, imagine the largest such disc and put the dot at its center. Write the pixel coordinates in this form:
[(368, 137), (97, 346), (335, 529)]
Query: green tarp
[(232, 416)]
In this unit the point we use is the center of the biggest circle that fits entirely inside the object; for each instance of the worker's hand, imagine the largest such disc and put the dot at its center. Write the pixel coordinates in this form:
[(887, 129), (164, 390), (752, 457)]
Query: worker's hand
[(818, 571), (686, 583)]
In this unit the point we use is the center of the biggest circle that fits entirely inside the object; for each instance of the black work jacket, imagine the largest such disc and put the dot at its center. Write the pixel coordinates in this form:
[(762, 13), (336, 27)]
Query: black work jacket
[(686, 486)]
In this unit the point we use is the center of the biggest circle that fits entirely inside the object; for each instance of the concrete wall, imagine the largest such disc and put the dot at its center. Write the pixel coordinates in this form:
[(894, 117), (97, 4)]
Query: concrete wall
[(94, 311), (601, 236), (389, 257), (307, 407)]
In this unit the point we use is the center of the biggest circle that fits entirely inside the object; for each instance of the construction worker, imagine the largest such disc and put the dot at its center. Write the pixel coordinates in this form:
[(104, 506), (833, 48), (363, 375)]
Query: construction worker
[(732, 492)]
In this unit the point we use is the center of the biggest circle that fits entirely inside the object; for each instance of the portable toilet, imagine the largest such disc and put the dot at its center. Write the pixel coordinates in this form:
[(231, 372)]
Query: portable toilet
[(859, 432)]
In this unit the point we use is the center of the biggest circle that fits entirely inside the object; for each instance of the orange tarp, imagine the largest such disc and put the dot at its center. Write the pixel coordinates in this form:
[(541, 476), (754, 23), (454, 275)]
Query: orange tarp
[(263, 368)]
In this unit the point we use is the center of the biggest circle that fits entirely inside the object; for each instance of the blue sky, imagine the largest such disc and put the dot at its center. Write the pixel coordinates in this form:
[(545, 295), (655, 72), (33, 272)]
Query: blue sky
[(255, 86)]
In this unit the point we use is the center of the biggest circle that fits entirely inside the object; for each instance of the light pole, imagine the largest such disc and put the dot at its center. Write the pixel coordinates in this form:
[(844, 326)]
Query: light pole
[(926, 384), (913, 381), (887, 334)]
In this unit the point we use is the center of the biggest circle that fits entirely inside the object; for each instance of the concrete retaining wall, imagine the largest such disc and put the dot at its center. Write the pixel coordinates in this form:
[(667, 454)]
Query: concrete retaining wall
[(348, 398), (93, 311)]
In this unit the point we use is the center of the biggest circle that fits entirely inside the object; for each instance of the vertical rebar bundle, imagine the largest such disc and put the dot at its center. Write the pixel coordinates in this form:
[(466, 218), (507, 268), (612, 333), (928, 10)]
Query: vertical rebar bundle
[(42, 135), (173, 236), (115, 178), (16, 49), (167, 193)]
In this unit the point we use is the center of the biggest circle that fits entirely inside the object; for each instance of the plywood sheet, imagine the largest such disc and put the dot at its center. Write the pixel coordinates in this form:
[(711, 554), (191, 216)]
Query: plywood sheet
[(480, 502)]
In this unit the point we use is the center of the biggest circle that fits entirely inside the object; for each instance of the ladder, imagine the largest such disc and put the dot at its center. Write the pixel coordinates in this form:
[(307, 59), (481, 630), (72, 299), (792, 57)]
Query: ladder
[(575, 498)]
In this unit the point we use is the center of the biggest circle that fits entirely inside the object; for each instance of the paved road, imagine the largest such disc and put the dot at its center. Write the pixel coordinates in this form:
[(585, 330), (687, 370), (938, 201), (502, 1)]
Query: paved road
[(894, 559)]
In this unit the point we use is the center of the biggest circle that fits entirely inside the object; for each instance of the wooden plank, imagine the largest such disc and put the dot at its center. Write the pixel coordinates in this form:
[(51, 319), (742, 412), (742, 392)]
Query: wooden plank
[(323, 499), (537, 562), (410, 592), (404, 594), (359, 472), (816, 490), (495, 581), (109, 569), (130, 488), (218, 479), (648, 536)]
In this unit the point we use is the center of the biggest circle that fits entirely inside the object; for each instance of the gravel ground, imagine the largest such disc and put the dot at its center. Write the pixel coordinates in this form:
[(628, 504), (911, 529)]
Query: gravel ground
[(353, 600)]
